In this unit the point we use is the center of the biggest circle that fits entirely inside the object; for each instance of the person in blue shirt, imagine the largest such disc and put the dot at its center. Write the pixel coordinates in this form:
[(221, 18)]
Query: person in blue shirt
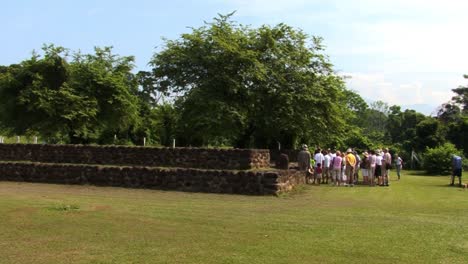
[(456, 169)]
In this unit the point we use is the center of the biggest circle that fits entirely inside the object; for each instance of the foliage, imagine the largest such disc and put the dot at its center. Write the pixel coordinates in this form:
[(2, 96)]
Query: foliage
[(454, 117), (164, 118), (358, 141), (461, 97), (373, 121), (251, 87), (71, 101), (457, 133), (429, 134), (438, 160), (402, 128)]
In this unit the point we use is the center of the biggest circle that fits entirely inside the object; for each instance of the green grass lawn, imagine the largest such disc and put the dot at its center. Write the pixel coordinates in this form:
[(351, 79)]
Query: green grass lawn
[(416, 220)]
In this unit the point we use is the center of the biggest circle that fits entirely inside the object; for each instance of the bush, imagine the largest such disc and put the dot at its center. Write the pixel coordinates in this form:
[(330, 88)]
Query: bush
[(438, 160)]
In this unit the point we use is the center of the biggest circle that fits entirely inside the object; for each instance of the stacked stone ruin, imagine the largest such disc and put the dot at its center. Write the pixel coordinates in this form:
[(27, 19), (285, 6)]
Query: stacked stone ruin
[(236, 171)]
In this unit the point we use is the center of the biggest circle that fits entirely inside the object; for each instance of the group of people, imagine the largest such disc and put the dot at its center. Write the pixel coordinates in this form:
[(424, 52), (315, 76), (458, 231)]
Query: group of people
[(342, 168)]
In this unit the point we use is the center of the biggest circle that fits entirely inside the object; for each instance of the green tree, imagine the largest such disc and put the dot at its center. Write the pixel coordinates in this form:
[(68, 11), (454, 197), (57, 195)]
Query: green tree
[(35, 95), (439, 159), (457, 133), (454, 117), (107, 79), (429, 134), (73, 101), (401, 128), (461, 96), (251, 87), (373, 122), (357, 122)]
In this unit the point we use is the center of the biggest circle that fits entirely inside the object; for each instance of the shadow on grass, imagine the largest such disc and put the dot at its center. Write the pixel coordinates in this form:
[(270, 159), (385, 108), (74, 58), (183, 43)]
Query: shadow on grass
[(455, 186), (423, 173)]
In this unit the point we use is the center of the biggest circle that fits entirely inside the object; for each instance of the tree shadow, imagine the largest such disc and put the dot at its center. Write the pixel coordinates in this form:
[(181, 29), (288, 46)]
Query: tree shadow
[(423, 173)]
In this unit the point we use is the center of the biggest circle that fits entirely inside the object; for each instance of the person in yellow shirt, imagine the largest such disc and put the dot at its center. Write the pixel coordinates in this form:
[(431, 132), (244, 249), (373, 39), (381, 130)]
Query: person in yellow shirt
[(350, 166)]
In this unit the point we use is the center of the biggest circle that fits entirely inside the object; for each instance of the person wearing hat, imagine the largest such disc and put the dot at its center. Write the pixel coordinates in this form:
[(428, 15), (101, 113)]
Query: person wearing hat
[(303, 161), (350, 166), (365, 167), (336, 168)]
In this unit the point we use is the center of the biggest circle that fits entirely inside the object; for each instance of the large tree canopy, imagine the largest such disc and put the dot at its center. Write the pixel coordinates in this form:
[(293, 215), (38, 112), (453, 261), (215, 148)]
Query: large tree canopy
[(454, 117), (68, 100), (252, 86)]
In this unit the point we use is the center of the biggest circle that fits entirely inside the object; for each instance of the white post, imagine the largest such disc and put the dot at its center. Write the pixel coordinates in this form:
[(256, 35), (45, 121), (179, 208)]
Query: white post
[(279, 145), (35, 139), (18, 139), (144, 141), (173, 143), (115, 138), (412, 159), (1, 139)]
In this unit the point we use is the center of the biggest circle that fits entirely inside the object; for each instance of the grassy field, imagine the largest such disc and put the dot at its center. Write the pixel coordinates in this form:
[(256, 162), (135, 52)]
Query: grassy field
[(416, 220)]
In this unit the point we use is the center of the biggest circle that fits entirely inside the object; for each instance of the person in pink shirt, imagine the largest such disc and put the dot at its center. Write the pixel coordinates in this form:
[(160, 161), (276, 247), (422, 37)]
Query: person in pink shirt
[(336, 168)]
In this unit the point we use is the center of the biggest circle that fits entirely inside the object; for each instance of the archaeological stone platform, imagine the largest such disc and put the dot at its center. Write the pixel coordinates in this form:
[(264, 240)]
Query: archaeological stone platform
[(239, 171)]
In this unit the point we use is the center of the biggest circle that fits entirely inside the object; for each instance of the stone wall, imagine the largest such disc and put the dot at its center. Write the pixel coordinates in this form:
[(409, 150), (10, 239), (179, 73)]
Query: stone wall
[(228, 159), (292, 154), (182, 179)]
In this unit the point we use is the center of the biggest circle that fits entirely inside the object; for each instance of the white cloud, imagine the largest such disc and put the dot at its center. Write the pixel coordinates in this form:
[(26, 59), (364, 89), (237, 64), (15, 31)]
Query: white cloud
[(376, 86), (400, 51)]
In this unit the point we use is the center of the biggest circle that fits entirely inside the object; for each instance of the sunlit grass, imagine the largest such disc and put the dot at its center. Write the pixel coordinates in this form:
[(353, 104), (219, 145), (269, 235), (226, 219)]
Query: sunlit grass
[(416, 220)]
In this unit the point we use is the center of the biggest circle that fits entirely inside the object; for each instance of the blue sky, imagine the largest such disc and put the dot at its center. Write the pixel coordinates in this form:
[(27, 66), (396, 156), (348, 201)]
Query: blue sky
[(409, 52)]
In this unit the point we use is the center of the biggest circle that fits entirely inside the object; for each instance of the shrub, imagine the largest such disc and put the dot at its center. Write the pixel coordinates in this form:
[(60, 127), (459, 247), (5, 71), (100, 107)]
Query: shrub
[(438, 160)]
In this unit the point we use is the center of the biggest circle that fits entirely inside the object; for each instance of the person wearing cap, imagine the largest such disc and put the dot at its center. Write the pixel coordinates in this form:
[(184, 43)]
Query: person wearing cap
[(303, 161), (350, 165), (456, 169)]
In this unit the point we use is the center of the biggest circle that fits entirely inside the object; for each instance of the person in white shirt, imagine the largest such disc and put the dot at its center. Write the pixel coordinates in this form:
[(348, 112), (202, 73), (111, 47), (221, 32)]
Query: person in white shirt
[(399, 165), (372, 165), (318, 157), (378, 167), (326, 166)]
